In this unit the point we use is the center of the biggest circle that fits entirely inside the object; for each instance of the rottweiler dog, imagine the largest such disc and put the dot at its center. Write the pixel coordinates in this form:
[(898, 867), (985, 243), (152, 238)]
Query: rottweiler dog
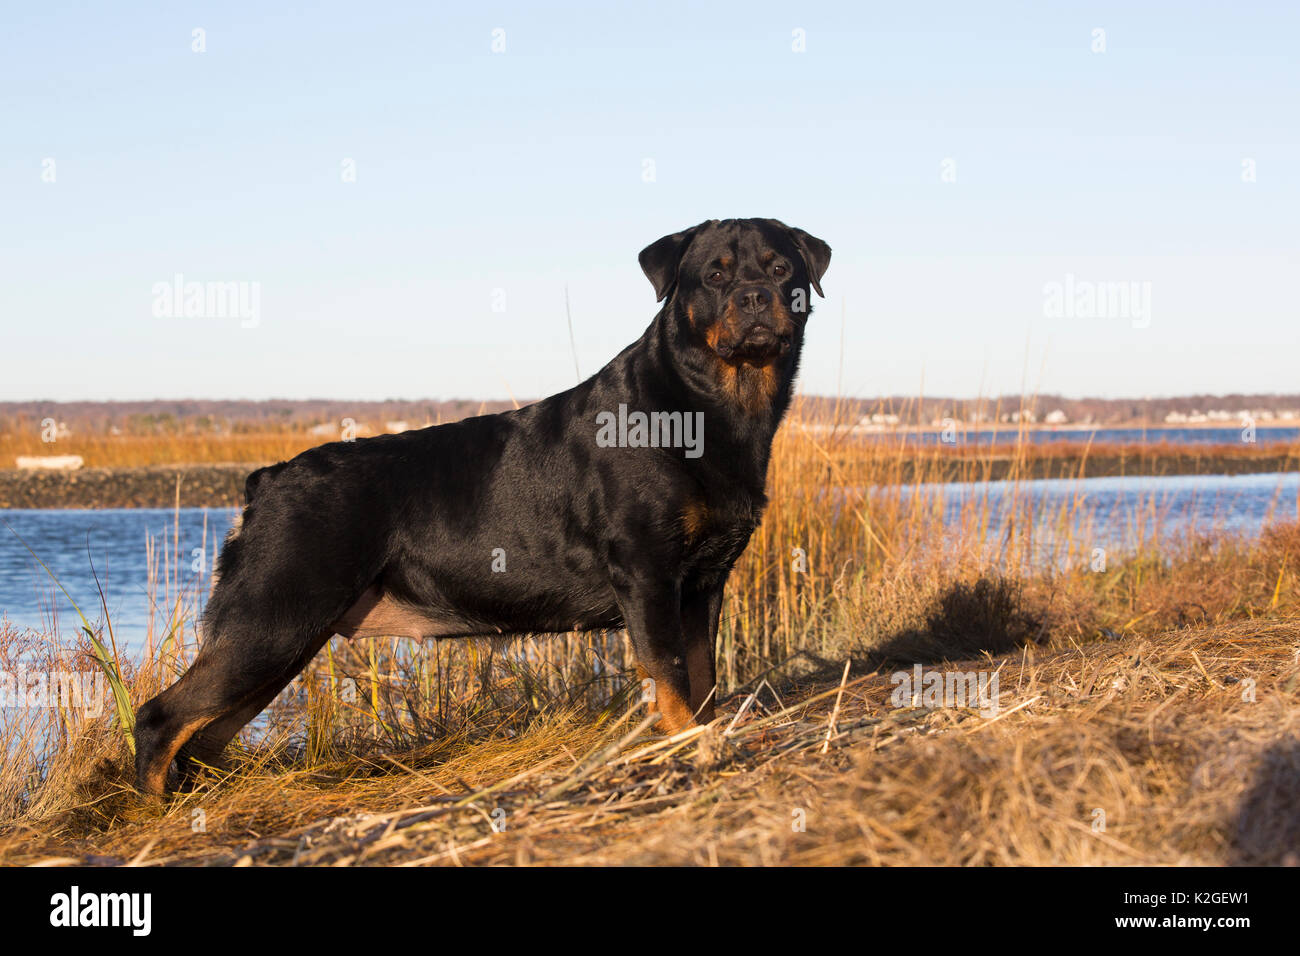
[(622, 502)]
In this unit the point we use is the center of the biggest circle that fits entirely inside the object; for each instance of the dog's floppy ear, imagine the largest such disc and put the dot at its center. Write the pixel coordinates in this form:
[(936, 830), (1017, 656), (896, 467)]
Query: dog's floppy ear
[(816, 256), (659, 260)]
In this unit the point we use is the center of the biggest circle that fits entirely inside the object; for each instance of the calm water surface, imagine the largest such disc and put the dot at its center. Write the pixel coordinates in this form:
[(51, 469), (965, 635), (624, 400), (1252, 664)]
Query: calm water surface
[(80, 545), (1008, 434), (77, 545)]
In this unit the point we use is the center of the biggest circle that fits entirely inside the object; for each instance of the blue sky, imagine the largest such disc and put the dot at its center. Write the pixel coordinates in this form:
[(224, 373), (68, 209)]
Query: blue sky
[(486, 179)]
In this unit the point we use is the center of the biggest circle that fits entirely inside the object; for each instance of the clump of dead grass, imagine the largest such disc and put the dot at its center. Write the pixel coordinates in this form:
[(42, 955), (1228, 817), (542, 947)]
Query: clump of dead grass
[(987, 615)]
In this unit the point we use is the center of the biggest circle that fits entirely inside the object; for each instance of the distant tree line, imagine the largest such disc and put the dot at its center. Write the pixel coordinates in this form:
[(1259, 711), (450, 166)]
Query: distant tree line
[(197, 416)]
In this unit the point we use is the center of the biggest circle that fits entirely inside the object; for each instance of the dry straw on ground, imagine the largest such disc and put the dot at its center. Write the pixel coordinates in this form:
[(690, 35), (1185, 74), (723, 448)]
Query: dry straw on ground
[(1186, 742)]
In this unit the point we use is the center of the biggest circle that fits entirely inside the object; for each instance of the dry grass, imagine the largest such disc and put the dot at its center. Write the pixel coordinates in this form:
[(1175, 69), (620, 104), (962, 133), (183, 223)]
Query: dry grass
[(1152, 732), (134, 451), (1121, 691), (898, 451)]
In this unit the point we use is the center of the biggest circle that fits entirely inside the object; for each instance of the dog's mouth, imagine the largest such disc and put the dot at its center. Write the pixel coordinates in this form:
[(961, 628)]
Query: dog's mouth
[(758, 343)]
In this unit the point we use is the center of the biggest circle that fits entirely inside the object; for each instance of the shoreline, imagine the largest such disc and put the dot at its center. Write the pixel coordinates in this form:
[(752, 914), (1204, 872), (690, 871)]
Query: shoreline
[(1015, 428), (156, 486), (222, 485)]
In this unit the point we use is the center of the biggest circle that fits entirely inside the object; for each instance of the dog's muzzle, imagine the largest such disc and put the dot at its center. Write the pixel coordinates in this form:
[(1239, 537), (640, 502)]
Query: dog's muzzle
[(757, 340)]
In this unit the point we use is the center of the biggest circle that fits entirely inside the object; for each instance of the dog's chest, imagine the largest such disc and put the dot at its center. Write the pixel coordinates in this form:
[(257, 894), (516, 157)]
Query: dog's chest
[(716, 533)]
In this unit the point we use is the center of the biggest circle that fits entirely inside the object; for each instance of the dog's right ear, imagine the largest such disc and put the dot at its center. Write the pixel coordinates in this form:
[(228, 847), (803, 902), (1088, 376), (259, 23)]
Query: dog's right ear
[(660, 259)]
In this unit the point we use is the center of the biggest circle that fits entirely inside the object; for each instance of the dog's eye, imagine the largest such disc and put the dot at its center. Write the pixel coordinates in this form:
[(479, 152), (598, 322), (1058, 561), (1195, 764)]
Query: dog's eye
[(779, 270), (715, 276)]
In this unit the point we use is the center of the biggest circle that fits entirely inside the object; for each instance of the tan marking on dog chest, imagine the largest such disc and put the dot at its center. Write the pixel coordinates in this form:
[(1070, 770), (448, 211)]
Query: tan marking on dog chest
[(695, 517)]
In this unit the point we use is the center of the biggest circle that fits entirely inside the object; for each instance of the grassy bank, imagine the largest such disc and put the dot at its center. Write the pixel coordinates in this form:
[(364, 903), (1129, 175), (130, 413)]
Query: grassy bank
[(1122, 688), (1140, 751)]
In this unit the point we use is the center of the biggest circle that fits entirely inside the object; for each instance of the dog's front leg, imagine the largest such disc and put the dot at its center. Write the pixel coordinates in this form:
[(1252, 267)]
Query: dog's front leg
[(701, 607), (652, 613)]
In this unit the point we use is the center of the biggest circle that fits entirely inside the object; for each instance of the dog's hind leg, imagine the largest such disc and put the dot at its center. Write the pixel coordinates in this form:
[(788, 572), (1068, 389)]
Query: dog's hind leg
[(230, 675), (206, 745)]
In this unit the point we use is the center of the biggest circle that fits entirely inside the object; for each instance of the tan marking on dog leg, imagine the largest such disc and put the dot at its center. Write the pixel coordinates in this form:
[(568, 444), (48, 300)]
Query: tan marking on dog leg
[(676, 712), (155, 778)]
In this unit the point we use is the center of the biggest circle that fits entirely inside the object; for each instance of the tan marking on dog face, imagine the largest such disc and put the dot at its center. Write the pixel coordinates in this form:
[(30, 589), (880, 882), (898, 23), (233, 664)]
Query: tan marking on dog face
[(713, 335), (750, 386), (733, 324)]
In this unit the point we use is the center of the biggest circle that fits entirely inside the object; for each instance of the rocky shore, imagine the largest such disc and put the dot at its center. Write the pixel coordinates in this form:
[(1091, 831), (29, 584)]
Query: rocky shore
[(195, 486)]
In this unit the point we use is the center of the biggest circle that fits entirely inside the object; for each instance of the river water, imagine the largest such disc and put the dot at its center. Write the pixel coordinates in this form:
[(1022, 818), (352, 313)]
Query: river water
[(90, 551)]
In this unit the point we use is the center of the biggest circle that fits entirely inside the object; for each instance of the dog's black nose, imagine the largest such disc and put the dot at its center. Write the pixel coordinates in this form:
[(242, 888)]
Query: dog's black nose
[(753, 301)]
